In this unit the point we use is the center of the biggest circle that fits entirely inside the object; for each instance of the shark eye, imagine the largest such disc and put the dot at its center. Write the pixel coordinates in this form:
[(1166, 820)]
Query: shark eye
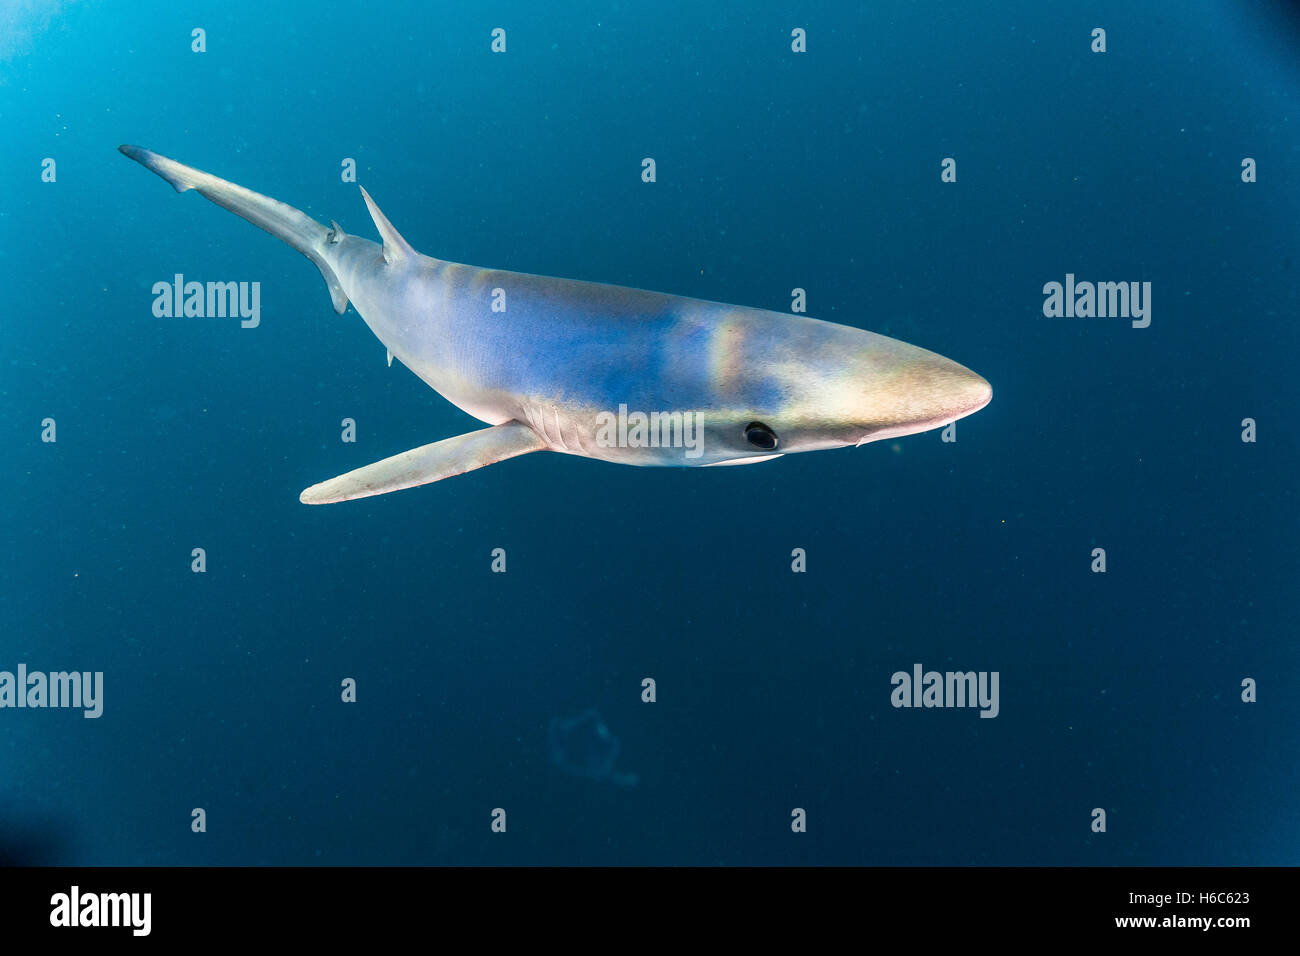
[(760, 436)]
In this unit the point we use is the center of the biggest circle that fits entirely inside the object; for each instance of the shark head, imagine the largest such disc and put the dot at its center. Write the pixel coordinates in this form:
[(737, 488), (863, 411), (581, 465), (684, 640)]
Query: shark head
[(791, 384)]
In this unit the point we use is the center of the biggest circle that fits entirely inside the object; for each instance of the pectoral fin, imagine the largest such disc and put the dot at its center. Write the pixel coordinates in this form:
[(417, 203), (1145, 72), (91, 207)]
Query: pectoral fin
[(428, 463)]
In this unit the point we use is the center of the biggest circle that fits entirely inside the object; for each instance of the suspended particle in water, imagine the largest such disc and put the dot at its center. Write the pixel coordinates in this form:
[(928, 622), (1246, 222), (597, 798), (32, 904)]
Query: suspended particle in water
[(583, 746)]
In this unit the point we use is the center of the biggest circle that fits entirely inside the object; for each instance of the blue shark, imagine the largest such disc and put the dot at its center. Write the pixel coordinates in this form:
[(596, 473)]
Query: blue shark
[(601, 371)]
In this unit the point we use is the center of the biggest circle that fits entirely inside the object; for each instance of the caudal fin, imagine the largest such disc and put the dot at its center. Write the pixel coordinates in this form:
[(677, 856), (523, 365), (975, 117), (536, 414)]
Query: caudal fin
[(282, 221)]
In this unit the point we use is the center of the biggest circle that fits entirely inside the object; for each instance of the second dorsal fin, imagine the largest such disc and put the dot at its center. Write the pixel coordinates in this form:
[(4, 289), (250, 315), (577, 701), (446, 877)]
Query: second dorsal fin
[(395, 247)]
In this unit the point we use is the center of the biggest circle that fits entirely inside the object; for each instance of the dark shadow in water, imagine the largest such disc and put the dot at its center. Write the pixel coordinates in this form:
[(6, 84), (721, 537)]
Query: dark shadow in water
[(1270, 22), (31, 843), (584, 747)]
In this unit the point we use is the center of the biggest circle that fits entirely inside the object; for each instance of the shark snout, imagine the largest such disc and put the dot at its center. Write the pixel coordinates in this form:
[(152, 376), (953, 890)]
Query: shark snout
[(946, 391), (927, 391), (973, 391)]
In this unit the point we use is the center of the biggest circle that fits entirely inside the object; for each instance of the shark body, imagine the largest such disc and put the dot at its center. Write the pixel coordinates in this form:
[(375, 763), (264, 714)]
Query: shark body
[(558, 361)]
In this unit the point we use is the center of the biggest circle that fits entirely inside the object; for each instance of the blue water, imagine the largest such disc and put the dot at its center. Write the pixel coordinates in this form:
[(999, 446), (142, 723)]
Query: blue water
[(776, 170)]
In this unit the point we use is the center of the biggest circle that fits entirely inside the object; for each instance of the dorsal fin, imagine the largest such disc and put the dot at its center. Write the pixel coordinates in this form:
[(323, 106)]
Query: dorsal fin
[(395, 247)]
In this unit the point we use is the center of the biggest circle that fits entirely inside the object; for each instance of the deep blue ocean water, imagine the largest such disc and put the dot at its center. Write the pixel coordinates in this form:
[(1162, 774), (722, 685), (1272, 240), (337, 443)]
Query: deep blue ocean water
[(1118, 690)]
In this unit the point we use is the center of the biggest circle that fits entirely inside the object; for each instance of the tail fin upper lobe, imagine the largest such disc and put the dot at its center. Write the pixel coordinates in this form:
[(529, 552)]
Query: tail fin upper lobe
[(282, 221)]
